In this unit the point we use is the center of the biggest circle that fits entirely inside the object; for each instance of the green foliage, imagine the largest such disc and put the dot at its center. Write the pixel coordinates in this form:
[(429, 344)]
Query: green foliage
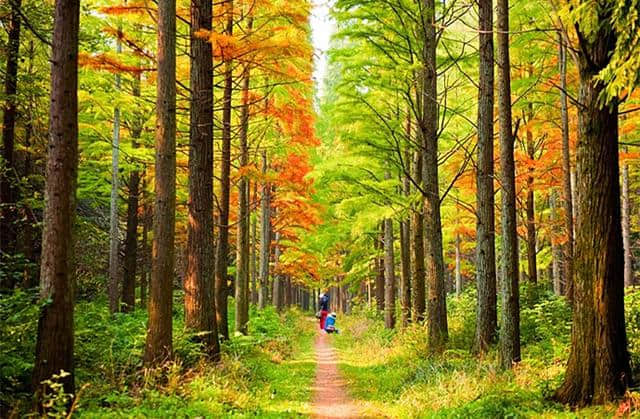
[(632, 316)]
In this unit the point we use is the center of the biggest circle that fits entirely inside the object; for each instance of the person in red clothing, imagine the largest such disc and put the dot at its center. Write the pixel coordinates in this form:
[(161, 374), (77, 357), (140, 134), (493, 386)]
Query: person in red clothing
[(324, 309)]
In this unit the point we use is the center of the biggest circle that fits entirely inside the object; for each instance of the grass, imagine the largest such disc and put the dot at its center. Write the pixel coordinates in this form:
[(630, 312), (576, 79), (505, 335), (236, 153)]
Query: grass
[(267, 374), (392, 373)]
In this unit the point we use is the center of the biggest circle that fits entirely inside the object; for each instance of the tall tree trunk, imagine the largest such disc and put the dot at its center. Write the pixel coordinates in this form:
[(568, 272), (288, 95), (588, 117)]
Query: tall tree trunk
[(458, 267), (487, 317), (254, 250), (434, 261), (380, 274), (389, 276), (626, 228), (405, 269), (131, 238), (222, 250), (598, 369), (159, 330), (242, 277), (418, 298), (199, 312), (265, 234), (532, 259), (54, 345), (278, 292), (556, 250), (566, 170), (114, 229), (145, 248), (510, 324), (8, 177)]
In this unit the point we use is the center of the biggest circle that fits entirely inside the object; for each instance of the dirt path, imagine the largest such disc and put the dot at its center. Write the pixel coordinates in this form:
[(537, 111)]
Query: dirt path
[(330, 398)]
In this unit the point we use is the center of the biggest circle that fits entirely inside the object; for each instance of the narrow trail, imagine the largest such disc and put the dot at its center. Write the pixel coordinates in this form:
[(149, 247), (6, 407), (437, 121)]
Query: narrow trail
[(330, 398)]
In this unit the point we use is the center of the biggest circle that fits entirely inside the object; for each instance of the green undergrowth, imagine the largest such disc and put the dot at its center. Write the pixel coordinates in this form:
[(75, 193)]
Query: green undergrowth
[(266, 374), (392, 373)]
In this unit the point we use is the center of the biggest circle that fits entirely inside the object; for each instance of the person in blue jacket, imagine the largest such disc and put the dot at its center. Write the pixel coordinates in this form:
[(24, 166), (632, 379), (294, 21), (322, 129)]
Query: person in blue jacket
[(330, 323)]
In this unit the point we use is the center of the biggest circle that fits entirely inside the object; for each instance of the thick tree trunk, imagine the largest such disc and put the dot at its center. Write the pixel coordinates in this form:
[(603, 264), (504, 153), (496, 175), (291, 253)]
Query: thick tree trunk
[(434, 260), (510, 324), (199, 305), (532, 259), (598, 368), (487, 318), (54, 345), (222, 250), (380, 273), (418, 298), (131, 238), (159, 344), (114, 221), (8, 176), (242, 276), (566, 171), (626, 228), (265, 235)]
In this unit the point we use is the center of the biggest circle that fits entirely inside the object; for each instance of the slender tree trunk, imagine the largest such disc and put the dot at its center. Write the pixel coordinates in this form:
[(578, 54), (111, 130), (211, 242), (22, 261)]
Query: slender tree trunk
[(265, 234), (242, 277), (532, 262), (598, 369), (556, 250), (278, 292), (405, 269), (417, 231), (8, 176), (131, 238), (146, 251), (222, 251), (114, 229), (159, 345), (626, 228), (254, 250), (458, 267), (510, 324), (389, 276), (566, 171), (54, 345), (198, 283), (380, 274), (487, 317), (434, 261)]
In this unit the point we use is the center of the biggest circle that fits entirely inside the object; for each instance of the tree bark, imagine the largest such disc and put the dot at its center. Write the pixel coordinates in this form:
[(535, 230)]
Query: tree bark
[(265, 234), (405, 268), (417, 231), (114, 221), (8, 177), (598, 369), (254, 250), (278, 292), (389, 276), (54, 345), (242, 277), (159, 344), (434, 261), (458, 267), (532, 259), (626, 228), (380, 273), (556, 250), (222, 250), (131, 238), (146, 250), (566, 171), (198, 283), (510, 325), (486, 323)]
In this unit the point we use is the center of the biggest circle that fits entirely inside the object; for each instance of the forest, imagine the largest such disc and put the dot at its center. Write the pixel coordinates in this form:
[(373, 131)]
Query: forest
[(184, 184)]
